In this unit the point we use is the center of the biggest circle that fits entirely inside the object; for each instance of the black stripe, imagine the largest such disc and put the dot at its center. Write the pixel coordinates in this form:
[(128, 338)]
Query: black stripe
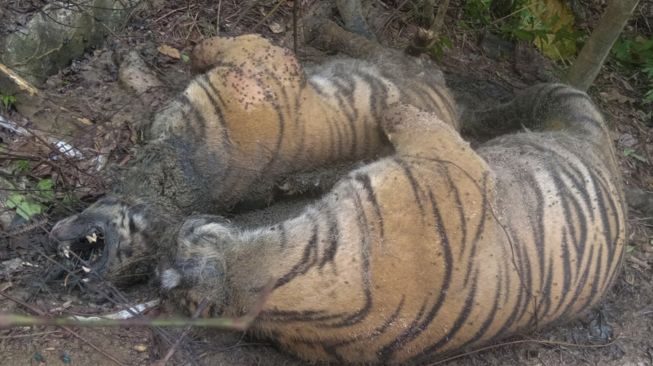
[(538, 227), (364, 179), (363, 227), (479, 229), (482, 330), (387, 351), (448, 103), (612, 245), (545, 301), (581, 284), (332, 344), (297, 316), (411, 180), (350, 119), (333, 238), (204, 82), (594, 293), (461, 208), (317, 87), (566, 271), (460, 320), (309, 259), (195, 122), (601, 198), (283, 235)]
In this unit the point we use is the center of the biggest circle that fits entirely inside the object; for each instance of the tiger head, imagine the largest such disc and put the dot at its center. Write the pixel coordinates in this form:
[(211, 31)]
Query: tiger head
[(111, 239)]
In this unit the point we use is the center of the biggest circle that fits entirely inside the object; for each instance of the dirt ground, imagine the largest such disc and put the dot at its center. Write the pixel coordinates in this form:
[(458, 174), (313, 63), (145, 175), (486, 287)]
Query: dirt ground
[(31, 277)]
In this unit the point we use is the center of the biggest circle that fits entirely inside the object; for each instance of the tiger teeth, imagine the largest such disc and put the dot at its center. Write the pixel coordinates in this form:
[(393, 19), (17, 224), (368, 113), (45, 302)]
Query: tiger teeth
[(92, 238)]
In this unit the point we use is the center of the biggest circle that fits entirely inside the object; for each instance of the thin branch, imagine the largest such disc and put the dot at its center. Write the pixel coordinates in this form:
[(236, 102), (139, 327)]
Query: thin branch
[(242, 323), (522, 341), (72, 332)]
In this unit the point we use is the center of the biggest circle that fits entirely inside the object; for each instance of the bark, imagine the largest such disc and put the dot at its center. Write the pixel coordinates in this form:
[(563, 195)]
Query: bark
[(588, 64)]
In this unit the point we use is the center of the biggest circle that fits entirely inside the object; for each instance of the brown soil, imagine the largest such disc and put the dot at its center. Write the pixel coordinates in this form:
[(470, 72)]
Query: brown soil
[(90, 87)]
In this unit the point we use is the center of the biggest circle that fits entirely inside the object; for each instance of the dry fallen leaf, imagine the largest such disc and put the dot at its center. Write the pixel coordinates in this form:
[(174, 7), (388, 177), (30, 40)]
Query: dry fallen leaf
[(171, 52), (140, 347), (276, 28), (613, 95)]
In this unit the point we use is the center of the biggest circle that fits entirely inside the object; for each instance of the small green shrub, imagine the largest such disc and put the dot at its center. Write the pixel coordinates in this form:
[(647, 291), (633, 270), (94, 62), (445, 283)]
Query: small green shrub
[(546, 23), (636, 55), (32, 201), (7, 101)]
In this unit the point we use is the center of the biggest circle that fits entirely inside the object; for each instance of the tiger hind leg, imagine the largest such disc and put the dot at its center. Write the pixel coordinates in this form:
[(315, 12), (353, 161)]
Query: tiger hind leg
[(543, 107)]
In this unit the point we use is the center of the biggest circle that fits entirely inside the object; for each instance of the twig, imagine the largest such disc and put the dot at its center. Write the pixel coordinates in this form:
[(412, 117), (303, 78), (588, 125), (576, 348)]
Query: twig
[(29, 335), (172, 12), (217, 19), (19, 81), (521, 341), (244, 12), (72, 332), (439, 17), (241, 323), (183, 335), (269, 14), (295, 11)]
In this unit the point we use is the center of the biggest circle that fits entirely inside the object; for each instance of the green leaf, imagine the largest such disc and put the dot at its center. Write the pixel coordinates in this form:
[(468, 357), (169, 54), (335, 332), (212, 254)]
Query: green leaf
[(24, 208), (14, 200), (22, 166), (28, 209), (648, 98), (631, 153), (7, 100), (185, 58), (44, 189)]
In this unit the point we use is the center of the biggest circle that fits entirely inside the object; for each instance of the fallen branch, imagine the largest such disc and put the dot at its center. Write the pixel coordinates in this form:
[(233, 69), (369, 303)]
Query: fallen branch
[(242, 323), (72, 332), (19, 81)]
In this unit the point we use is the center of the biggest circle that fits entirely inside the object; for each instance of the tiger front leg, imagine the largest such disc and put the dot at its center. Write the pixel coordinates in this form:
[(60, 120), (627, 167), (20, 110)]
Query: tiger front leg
[(216, 271), (423, 137), (195, 278)]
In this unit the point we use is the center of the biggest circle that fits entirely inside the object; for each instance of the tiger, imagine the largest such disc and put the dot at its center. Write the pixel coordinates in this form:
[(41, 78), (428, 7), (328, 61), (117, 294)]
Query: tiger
[(251, 117), (435, 249), (431, 250)]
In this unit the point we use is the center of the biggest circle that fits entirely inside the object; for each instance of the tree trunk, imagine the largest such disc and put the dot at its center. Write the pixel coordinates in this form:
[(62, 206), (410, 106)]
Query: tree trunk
[(588, 63)]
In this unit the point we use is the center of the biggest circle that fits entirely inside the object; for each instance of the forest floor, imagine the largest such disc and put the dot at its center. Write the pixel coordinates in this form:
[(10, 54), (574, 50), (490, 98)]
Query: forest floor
[(480, 69)]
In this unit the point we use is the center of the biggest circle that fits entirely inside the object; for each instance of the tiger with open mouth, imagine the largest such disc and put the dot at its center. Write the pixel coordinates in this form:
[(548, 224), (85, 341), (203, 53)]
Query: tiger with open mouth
[(430, 250), (255, 117)]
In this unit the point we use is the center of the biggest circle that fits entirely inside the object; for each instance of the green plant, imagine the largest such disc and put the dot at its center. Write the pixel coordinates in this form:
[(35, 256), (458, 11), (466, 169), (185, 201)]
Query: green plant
[(22, 166), (29, 203), (636, 54), (436, 51), (8, 101), (546, 23)]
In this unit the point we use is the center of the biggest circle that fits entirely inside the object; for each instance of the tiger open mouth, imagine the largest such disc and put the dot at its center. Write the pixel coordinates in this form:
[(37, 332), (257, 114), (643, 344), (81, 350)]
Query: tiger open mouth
[(86, 254)]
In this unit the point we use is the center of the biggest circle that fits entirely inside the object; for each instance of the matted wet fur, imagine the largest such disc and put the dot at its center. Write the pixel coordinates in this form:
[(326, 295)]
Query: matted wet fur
[(255, 117), (431, 250)]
